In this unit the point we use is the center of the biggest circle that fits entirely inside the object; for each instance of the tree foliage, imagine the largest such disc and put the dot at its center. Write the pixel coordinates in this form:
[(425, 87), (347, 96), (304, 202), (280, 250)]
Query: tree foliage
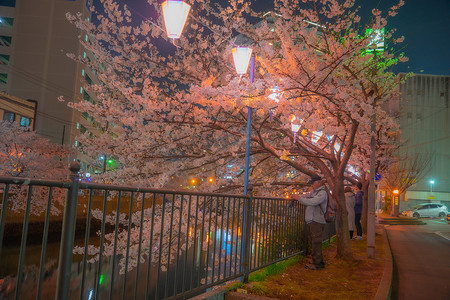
[(184, 111)]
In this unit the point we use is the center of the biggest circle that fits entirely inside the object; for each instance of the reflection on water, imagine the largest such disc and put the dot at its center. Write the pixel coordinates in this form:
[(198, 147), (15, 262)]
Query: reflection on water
[(185, 273)]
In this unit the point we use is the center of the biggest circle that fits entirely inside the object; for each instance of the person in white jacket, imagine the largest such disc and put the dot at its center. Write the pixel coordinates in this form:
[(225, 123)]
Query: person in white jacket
[(350, 204), (316, 205)]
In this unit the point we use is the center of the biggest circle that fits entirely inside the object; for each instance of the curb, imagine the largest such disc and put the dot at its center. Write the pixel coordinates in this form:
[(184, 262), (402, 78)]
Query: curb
[(385, 288), (240, 296)]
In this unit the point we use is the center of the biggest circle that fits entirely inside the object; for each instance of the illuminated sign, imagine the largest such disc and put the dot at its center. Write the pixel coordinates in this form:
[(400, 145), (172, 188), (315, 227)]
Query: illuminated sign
[(376, 40)]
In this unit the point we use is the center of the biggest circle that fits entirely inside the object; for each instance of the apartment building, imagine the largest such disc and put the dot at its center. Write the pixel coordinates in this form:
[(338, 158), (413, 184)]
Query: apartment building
[(35, 37), (425, 128)]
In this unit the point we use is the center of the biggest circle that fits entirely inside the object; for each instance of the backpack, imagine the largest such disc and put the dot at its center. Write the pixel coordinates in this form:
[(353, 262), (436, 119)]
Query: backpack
[(330, 211)]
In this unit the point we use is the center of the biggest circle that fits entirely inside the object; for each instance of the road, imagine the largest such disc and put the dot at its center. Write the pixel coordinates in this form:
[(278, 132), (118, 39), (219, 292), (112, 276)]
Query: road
[(422, 257)]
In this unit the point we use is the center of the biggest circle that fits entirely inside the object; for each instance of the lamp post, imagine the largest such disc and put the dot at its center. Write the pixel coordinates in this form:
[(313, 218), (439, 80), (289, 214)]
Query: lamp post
[(241, 57), (431, 186)]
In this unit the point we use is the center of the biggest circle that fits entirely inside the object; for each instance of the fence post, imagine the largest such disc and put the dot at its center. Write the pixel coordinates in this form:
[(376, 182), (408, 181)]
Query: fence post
[(246, 234), (67, 235)]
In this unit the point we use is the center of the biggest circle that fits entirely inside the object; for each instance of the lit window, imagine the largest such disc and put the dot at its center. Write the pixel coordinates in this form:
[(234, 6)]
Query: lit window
[(78, 125), (9, 116), (25, 122), (81, 90), (76, 143), (82, 72), (84, 55), (87, 38)]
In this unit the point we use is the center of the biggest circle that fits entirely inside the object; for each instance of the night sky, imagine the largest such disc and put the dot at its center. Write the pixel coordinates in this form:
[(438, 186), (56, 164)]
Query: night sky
[(424, 23)]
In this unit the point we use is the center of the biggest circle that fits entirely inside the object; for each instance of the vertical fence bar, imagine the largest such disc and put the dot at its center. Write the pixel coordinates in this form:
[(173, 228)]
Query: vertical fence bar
[(100, 254), (130, 223), (166, 287), (23, 243), (266, 231), (116, 232), (258, 234), (232, 238), (226, 239), (188, 233), (177, 256), (215, 241), (221, 238), (246, 236), (86, 243), (65, 252), (139, 247), (208, 235), (150, 248), (44, 243), (195, 244), (2, 220), (201, 241), (284, 223), (160, 245)]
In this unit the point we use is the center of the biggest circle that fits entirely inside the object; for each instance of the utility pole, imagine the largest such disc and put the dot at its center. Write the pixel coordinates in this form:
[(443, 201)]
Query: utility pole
[(371, 200)]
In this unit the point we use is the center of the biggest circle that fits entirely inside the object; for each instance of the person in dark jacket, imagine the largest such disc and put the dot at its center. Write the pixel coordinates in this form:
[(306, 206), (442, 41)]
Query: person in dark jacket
[(358, 210), (316, 205)]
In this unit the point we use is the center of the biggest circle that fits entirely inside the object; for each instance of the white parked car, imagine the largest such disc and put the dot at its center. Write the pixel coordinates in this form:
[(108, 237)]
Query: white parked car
[(427, 210)]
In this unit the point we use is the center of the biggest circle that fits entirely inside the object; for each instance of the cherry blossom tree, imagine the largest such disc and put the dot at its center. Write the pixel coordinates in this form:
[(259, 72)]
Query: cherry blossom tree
[(24, 153), (171, 113)]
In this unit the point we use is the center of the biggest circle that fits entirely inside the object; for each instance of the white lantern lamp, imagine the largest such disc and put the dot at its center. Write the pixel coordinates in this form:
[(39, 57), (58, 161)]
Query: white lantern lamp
[(274, 97), (175, 13), (241, 58), (295, 127)]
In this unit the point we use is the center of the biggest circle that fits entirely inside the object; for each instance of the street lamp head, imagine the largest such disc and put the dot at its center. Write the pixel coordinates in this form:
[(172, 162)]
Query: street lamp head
[(431, 181), (241, 58), (175, 13), (396, 191)]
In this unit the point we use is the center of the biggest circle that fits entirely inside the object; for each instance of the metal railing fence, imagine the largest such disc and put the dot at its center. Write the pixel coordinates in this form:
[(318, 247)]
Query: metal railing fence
[(122, 242)]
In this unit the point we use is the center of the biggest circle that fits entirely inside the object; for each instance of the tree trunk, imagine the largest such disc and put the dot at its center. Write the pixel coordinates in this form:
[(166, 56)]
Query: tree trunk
[(365, 189), (344, 249)]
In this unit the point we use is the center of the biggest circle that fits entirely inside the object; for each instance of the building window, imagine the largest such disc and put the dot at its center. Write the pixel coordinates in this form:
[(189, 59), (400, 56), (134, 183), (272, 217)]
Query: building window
[(84, 55), (4, 59), (9, 116), (5, 40), (87, 38), (82, 72), (25, 122), (3, 78), (6, 22), (81, 90)]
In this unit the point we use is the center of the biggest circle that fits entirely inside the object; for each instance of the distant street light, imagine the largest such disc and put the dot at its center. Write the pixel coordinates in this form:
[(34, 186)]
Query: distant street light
[(431, 186)]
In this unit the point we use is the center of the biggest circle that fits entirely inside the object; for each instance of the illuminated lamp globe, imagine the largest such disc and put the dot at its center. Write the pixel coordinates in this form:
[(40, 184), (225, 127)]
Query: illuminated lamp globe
[(295, 128), (175, 14), (241, 58)]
